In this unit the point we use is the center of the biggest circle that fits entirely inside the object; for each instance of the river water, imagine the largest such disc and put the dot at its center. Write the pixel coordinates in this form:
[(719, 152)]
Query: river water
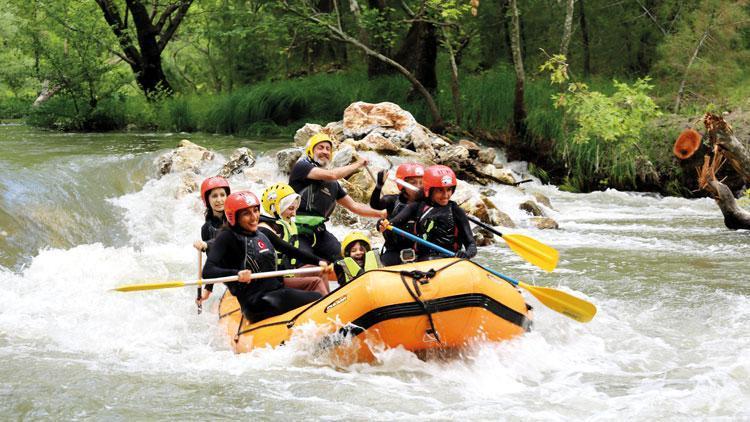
[(80, 214)]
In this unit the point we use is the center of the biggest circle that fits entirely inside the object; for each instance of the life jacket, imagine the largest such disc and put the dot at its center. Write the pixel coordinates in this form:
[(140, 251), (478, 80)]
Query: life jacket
[(394, 242), (260, 256), (352, 269), (436, 224), (317, 196), (292, 237)]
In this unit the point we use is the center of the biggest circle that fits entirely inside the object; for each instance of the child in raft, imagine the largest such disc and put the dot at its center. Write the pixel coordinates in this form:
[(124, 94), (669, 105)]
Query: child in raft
[(438, 219), (242, 249), (358, 257), (411, 173), (214, 192), (280, 202)]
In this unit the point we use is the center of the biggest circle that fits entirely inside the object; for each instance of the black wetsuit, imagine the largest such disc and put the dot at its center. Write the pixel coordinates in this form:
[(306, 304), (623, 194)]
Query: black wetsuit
[(208, 232), (445, 226), (393, 204), (234, 250), (318, 198)]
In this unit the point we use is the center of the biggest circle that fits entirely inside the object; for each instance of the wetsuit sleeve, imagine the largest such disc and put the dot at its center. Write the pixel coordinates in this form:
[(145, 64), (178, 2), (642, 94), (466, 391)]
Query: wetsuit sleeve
[(407, 213), (298, 176), (375, 201), (287, 249), (386, 202), (219, 257), (340, 191), (205, 232), (465, 236)]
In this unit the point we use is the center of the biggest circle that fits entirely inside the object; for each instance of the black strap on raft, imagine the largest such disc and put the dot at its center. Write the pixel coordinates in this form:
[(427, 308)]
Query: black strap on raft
[(239, 328), (421, 278)]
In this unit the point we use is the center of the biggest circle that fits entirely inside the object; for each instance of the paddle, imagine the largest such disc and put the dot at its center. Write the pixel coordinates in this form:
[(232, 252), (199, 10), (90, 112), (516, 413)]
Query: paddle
[(559, 301), (532, 250), (171, 284), (200, 276)]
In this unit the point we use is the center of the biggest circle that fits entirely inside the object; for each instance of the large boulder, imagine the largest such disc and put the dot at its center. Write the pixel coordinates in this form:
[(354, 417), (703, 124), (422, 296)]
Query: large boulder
[(487, 155), (286, 158), (186, 157), (387, 119), (344, 156), (495, 174), (241, 159), (542, 199), (499, 218), (305, 132)]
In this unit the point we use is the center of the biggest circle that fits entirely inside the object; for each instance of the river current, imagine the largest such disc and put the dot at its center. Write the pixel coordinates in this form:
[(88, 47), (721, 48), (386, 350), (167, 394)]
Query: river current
[(83, 213)]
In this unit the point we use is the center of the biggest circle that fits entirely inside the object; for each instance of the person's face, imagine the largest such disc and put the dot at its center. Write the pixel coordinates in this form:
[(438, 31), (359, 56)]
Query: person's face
[(442, 195), (216, 198), (357, 251), (248, 219), (290, 211), (322, 153), (417, 182)]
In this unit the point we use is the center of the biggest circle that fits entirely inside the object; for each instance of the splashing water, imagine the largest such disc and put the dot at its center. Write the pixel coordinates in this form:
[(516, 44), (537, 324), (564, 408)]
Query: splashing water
[(82, 214)]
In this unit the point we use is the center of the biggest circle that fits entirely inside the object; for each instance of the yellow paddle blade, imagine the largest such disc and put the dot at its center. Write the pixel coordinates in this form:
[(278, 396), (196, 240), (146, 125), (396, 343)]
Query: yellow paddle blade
[(534, 251), (149, 286), (564, 303)]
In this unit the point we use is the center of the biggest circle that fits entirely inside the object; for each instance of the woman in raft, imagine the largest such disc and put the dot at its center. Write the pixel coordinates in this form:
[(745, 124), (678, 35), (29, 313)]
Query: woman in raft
[(438, 219), (214, 192), (240, 249), (411, 173), (280, 203)]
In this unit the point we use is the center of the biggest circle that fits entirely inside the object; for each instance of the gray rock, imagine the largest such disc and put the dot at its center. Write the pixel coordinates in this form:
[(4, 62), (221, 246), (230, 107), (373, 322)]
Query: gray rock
[(186, 157), (532, 208), (487, 155), (543, 200), (544, 223), (305, 132), (241, 159), (344, 156), (286, 158)]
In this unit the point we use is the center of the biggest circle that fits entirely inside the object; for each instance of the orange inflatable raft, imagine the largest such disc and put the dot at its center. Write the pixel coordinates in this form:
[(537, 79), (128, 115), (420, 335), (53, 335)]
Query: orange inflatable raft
[(440, 304)]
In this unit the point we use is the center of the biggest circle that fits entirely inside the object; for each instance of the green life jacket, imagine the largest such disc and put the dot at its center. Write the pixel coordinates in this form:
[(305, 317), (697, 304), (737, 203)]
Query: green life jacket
[(290, 236), (309, 224), (352, 269)]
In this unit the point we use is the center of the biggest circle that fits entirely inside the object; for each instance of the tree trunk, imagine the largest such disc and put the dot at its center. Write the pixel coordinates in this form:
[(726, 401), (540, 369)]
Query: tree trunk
[(735, 217), (721, 135), (377, 67), (681, 90), (455, 88), (585, 41), (437, 120), (519, 107), (418, 53), (567, 28), (152, 37)]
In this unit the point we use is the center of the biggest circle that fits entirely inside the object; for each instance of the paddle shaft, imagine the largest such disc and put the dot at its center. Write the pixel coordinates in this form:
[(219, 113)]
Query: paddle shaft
[(267, 274), (483, 225), (405, 184), (200, 276), (449, 253)]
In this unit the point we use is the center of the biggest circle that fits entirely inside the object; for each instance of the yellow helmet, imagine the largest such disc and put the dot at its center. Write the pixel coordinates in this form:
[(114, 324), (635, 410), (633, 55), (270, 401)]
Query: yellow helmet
[(268, 198), (280, 204), (353, 237), (315, 140)]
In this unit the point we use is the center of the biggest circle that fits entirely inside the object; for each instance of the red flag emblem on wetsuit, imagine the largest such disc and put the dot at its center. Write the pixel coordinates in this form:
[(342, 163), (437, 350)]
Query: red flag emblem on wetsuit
[(261, 244)]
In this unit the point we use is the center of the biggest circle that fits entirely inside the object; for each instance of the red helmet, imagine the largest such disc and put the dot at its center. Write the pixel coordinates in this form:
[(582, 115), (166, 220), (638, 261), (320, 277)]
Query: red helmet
[(213, 183), (437, 177), (239, 201), (409, 170)]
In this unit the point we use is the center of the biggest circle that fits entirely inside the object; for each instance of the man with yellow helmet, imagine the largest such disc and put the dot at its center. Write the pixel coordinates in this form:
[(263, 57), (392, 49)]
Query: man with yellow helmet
[(358, 257), (320, 191), (280, 203)]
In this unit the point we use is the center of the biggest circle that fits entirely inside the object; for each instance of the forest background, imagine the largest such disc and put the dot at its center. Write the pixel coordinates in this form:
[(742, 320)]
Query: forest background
[(592, 93)]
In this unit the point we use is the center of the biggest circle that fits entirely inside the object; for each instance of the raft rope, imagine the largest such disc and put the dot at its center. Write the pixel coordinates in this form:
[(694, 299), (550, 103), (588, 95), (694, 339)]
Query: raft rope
[(417, 278), (290, 323)]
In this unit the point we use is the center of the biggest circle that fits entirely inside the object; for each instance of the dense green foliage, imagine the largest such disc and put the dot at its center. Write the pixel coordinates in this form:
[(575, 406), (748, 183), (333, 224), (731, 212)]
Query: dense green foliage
[(257, 67)]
